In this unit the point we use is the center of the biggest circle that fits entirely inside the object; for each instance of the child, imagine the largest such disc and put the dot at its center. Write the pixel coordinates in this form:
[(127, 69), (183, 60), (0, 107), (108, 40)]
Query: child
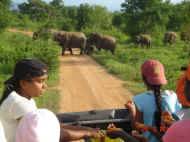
[(150, 105)]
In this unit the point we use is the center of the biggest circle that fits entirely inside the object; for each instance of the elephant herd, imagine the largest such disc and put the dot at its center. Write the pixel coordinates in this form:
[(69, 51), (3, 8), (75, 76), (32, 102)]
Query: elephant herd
[(169, 38), (70, 40)]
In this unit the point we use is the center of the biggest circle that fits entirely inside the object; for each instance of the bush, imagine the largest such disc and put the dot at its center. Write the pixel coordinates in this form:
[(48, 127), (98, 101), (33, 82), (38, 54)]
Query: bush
[(20, 46)]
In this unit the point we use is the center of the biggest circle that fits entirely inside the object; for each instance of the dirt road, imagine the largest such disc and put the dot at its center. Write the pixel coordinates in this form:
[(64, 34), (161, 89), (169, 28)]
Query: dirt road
[(85, 85), (28, 33)]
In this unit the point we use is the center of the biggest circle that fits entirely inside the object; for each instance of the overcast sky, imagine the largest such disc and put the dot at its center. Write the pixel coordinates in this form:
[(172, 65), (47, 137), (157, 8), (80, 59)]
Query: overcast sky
[(110, 4)]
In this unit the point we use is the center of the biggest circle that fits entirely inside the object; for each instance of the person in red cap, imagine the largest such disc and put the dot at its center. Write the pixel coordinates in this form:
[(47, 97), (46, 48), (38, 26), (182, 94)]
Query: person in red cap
[(148, 107)]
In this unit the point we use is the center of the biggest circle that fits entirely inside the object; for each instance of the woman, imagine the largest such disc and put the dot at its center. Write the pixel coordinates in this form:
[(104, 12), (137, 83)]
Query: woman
[(150, 105), (29, 81)]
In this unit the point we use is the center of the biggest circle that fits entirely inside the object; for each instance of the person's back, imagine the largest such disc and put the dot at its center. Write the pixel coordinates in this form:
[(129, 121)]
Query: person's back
[(151, 104)]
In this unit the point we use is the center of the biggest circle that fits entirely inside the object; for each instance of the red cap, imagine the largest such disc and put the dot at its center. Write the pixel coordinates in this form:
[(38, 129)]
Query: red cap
[(153, 71)]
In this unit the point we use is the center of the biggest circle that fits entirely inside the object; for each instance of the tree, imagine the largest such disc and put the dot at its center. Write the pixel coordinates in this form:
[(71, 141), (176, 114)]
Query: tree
[(94, 17), (57, 3), (36, 9), (144, 16), (4, 14), (179, 17)]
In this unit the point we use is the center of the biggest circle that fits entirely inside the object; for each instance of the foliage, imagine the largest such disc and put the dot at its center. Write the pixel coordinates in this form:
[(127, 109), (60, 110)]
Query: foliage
[(95, 17), (4, 14), (11, 44), (128, 59), (144, 16), (179, 17), (36, 9)]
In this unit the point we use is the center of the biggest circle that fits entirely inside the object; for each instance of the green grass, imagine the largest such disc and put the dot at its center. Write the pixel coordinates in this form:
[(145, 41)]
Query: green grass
[(15, 46), (128, 58)]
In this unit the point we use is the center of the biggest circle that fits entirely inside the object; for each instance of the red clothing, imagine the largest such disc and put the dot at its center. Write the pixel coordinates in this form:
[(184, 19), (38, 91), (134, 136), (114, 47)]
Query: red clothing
[(180, 88)]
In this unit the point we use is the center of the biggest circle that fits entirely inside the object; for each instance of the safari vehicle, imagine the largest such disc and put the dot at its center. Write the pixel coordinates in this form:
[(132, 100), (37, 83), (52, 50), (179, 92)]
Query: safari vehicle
[(98, 118)]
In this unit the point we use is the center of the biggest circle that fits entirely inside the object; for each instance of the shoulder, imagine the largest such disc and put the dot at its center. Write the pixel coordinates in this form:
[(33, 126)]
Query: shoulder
[(145, 96), (16, 105), (169, 93)]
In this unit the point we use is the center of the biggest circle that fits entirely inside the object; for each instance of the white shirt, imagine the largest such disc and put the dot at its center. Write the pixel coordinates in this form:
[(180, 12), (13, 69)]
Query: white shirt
[(12, 109), (2, 134)]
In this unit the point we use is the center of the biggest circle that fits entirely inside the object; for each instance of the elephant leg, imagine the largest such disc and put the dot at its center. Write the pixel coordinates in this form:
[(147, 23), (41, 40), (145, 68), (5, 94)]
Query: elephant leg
[(81, 51), (112, 51), (63, 51), (70, 49)]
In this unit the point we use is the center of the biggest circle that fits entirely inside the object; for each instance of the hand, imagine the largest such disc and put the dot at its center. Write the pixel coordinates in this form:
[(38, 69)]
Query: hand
[(138, 136), (113, 132), (95, 133), (141, 127), (132, 108)]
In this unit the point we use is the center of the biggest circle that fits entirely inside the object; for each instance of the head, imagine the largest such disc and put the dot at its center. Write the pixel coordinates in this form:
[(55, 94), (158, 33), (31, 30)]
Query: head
[(28, 79), (38, 126), (153, 73), (154, 77), (178, 132)]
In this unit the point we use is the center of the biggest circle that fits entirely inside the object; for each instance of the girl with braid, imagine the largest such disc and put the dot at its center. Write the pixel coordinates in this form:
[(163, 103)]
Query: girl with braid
[(148, 108)]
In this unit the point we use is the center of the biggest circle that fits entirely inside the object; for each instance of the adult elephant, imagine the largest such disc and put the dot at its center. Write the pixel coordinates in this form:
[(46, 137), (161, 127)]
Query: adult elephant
[(101, 42), (143, 40), (69, 40), (170, 37)]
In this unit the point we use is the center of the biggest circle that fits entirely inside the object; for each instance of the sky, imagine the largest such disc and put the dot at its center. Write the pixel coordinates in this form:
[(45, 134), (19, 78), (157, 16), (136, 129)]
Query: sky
[(111, 5)]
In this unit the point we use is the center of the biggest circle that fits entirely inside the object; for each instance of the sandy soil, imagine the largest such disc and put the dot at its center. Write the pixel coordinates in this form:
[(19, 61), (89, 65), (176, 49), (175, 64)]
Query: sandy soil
[(28, 33), (85, 85)]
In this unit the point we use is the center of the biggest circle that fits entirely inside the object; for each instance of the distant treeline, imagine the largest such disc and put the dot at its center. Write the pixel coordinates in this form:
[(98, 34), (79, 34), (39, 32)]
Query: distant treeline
[(139, 16)]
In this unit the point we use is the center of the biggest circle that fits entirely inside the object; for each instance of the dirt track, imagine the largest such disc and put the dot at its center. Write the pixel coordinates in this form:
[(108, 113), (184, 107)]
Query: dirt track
[(85, 85)]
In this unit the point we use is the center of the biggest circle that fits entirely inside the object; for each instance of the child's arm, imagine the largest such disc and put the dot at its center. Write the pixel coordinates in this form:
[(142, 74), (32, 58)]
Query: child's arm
[(70, 133)]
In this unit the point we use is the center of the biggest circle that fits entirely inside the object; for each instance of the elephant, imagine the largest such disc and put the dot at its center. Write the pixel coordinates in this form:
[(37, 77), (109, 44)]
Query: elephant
[(101, 42), (185, 36), (170, 37), (143, 40), (69, 40)]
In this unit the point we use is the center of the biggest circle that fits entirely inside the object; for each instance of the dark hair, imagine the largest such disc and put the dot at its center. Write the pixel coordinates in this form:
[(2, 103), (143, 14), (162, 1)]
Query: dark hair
[(183, 68), (25, 69), (158, 100)]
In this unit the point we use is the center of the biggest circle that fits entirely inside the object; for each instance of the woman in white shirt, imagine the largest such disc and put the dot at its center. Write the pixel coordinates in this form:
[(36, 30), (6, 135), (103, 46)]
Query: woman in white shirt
[(28, 81)]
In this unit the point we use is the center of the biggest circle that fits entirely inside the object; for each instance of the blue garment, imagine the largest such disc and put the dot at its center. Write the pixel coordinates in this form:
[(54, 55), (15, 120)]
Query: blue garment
[(146, 104)]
